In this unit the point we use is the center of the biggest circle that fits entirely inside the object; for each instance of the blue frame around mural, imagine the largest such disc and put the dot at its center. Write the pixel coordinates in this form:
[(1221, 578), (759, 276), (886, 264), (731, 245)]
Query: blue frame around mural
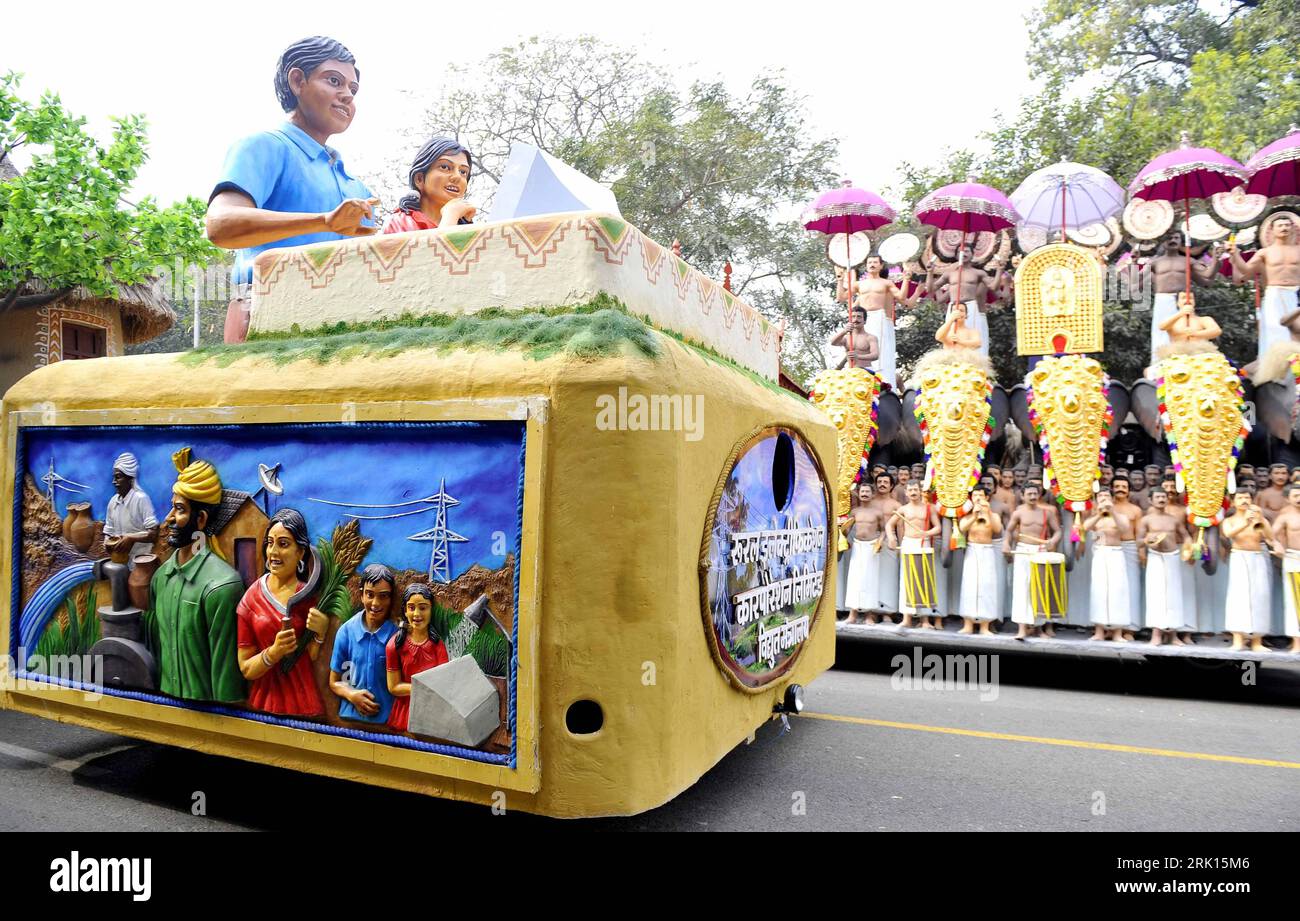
[(473, 458)]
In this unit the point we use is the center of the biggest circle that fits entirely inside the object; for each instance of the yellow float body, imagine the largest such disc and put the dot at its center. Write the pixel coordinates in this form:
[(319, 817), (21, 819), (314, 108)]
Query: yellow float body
[(609, 605)]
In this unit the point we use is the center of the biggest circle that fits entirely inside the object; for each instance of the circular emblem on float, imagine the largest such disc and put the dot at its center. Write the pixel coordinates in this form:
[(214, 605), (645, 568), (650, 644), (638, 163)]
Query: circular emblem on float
[(765, 557)]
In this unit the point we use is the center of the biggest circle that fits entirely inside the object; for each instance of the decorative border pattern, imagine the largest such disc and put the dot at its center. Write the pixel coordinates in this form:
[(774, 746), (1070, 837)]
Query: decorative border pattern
[(458, 258), (597, 245), (319, 262), (613, 247), (49, 331), (535, 241), (267, 269), (386, 255)]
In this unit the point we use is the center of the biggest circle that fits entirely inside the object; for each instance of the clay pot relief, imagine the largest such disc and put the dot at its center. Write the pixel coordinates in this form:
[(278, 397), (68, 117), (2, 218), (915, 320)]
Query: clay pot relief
[(79, 527), (138, 582)]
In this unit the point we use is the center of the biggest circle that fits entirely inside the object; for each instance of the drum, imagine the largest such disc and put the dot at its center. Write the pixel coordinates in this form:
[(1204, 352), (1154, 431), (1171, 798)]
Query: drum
[(1049, 592), (918, 579)]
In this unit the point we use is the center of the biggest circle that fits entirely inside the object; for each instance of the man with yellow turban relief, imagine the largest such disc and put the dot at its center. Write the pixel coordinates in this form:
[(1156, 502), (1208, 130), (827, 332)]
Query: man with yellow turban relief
[(195, 594)]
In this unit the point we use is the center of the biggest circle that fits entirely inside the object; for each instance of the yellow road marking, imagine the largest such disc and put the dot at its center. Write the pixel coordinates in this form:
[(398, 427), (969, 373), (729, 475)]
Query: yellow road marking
[(1044, 740)]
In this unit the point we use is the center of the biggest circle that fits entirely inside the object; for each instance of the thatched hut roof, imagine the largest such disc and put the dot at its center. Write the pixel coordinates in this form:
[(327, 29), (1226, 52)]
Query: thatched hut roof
[(146, 312)]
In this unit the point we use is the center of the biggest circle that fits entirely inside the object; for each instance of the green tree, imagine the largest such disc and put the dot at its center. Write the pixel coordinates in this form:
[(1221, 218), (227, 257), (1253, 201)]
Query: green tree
[(65, 220)]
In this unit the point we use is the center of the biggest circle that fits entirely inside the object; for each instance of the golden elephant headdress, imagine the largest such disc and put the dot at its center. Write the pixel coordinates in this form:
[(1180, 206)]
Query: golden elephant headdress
[(952, 408), (850, 397), (1201, 406)]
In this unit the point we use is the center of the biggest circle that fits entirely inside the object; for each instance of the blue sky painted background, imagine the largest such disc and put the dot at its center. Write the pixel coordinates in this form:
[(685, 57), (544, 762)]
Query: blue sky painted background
[(375, 464), (753, 474)]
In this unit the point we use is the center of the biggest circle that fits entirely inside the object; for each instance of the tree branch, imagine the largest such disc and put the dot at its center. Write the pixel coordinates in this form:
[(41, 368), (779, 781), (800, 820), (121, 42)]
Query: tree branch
[(16, 302)]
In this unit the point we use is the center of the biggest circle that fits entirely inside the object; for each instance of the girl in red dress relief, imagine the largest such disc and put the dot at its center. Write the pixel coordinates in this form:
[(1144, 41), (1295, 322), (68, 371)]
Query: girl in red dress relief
[(413, 649)]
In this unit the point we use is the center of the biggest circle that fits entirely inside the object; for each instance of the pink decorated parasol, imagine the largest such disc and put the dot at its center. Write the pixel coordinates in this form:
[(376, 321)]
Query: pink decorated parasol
[(1275, 170), (967, 206), (848, 210), (1183, 174)]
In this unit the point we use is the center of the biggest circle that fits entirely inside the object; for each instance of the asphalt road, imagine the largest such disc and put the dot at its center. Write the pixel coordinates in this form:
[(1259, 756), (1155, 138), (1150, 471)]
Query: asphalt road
[(1064, 745)]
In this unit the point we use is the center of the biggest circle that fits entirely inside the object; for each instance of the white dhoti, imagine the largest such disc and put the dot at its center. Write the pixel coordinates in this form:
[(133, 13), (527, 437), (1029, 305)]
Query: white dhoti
[(880, 326), (1290, 590), (1165, 306), (976, 320), (1109, 603), (1166, 590), (1079, 580), (887, 584), (1021, 611), (916, 582), (1250, 603), (1134, 582), (862, 590), (1276, 303), (981, 595)]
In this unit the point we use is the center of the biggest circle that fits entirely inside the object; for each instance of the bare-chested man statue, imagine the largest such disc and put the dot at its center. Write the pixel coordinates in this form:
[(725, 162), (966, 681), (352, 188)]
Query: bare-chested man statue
[(1160, 536), (1272, 498), (861, 350), (1166, 275), (1286, 536), (971, 285), (1034, 527), (879, 295), (1278, 267), (1249, 607), (911, 531), (956, 335), (1110, 602), (865, 527), (981, 576)]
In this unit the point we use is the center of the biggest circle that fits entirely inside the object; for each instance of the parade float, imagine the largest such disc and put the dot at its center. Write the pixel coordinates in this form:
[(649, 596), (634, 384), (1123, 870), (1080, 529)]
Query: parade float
[(568, 449)]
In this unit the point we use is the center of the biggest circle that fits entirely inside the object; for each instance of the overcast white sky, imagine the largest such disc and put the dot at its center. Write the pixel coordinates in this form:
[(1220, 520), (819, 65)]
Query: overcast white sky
[(894, 81)]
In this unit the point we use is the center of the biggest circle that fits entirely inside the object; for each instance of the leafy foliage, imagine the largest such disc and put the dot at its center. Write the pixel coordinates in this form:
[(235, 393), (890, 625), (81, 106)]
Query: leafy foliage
[(721, 173), (66, 221), (340, 556), (71, 634)]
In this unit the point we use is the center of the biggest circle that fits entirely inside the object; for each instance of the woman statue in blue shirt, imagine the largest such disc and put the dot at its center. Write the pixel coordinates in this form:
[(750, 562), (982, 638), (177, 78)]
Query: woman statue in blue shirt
[(286, 187)]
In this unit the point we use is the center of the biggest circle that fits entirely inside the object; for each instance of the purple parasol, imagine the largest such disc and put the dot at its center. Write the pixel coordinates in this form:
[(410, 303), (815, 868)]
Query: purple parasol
[(967, 206), (848, 210), (1183, 174), (1275, 170), (1186, 173)]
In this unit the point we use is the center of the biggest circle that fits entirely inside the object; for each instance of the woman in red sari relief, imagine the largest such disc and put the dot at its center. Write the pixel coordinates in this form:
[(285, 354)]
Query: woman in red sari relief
[(280, 632)]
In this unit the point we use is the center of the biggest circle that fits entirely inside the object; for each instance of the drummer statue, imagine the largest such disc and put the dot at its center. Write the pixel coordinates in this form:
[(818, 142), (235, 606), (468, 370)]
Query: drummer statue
[(1166, 275), (912, 530), (1277, 266), (861, 349)]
